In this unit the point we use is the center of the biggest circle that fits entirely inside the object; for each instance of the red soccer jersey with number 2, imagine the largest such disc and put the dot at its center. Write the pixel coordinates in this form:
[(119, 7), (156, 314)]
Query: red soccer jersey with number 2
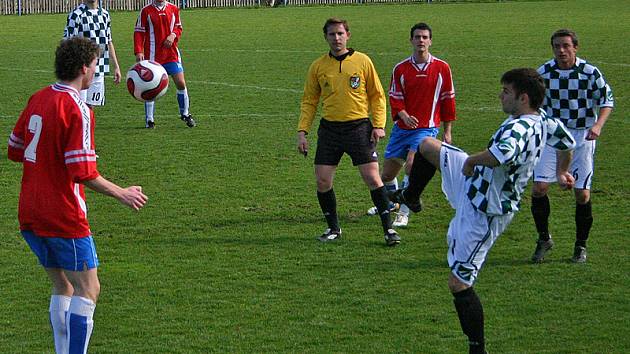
[(54, 140)]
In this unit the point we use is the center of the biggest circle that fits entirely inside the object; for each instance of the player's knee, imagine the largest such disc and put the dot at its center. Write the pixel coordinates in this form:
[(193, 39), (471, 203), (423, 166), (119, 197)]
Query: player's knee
[(539, 189), (582, 196), (455, 285)]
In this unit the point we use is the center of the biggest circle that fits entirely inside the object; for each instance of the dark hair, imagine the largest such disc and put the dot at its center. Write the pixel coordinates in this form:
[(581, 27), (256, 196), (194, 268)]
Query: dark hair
[(564, 32), (421, 26), (335, 21), (71, 55), (526, 80)]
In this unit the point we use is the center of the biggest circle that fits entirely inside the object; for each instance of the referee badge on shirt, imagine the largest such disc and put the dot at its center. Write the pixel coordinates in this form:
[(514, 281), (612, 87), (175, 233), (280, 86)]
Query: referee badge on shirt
[(355, 81)]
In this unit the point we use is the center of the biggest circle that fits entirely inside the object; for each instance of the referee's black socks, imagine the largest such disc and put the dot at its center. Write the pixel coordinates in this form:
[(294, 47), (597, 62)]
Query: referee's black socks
[(380, 200), (470, 314), (421, 173), (328, 203)]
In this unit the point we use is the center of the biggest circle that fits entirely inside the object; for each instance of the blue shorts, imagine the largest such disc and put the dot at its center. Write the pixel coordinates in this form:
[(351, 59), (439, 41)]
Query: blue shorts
[(174, 67), (74, 254), (401, 141)]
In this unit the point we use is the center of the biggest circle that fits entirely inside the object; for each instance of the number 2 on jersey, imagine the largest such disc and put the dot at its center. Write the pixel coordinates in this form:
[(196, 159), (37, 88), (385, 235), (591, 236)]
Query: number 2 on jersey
[(35, 128)]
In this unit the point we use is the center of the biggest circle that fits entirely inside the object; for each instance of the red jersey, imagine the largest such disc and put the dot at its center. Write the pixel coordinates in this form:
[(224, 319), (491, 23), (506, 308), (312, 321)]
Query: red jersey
[(423, 90), (153, 26), (54, 141)]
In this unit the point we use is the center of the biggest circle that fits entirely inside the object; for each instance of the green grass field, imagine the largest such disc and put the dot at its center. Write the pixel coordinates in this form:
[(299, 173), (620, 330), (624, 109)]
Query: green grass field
[(224, 257)]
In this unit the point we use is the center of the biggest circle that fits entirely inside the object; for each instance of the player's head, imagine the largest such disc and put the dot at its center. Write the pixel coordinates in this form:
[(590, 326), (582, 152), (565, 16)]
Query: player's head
[(421, 26), (523, 86), (336, 33), (421, 38), (75, 57), (564, 43)]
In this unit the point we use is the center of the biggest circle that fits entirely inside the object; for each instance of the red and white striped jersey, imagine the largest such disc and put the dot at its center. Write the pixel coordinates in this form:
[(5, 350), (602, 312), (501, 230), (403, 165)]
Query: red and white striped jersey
[(54, 141), (423, 90), (152, 27)]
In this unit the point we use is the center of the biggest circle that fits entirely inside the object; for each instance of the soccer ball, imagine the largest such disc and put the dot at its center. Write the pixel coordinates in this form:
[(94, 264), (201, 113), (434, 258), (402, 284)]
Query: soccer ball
[(147, 80)]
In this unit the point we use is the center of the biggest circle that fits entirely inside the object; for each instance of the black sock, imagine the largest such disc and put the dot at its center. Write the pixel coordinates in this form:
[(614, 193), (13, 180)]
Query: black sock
[(328, 203), (421, 173), (540, 212), (380, 200), (470, 314), (583, 223)]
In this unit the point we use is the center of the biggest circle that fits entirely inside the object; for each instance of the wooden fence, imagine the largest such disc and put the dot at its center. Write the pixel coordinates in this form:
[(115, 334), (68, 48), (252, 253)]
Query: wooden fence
[(26, 7)]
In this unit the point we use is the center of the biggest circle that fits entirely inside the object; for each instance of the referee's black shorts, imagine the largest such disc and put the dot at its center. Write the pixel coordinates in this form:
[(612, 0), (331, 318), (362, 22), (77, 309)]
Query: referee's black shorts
[(353, 138)]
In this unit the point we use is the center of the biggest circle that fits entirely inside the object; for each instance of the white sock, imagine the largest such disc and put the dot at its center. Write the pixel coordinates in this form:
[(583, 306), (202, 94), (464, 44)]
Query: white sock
[(392, 185), (79, 324), (149, 107), (59, 305), (404, 210), (183, 101)]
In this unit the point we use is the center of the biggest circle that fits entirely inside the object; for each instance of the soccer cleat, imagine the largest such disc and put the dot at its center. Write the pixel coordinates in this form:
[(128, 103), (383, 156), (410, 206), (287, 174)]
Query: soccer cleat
[(374, 211), (392, 238), (150, 125), (542, 247), (190, 122), (401, 220), (579, 255), (330, 235), (398, 196)]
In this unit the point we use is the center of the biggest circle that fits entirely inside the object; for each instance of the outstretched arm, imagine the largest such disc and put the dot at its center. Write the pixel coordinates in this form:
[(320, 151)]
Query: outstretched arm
[(131, 196), (484, 158)]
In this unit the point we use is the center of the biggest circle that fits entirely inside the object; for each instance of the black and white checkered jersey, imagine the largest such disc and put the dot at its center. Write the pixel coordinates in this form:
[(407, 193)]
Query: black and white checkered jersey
[(95, 25), (575, 95), (517, 145)]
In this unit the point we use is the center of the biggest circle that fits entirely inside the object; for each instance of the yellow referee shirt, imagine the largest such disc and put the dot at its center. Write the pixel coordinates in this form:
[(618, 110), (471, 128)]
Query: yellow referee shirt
[(350, 89)]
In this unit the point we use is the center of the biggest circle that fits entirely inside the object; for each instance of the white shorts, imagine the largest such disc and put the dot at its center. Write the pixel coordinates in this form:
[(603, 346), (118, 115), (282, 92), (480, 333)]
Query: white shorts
[(471, 234), (95, 94), (581, 166)]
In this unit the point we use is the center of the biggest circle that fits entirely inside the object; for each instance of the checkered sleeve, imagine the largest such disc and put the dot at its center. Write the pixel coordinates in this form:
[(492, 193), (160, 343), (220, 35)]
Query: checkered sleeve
[(72, 25), (602, 92), (108, 28), (510, 141), (558, 137)]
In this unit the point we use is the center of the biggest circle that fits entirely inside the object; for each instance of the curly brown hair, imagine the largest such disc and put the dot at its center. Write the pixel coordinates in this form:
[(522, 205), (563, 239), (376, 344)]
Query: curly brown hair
[(72, 54)]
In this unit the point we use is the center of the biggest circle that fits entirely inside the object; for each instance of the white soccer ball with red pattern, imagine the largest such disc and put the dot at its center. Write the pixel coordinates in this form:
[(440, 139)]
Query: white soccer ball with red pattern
[(147, 80)]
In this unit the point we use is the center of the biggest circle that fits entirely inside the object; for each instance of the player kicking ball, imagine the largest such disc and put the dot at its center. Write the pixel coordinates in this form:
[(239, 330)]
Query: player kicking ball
[(485, 189), (54, 141)]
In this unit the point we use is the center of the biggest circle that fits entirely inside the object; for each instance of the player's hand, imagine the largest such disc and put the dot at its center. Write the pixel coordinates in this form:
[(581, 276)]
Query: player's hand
[(410, 121), (377, 134), (593, 133), (168, 42), (302, 143), (468, 169), (139, 57), (566, 181), (133, 197), (446, 137), (117, 76)]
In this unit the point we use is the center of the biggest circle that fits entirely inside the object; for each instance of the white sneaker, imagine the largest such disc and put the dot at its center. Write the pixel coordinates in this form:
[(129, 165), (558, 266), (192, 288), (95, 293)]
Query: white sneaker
[(372, 211), (401, 220)]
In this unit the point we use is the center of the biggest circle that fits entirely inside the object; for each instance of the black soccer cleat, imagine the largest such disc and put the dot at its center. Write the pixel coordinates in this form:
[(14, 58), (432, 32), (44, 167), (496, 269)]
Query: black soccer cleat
[(150, 125), (392, 238), (330, 235), (398, 196), (542, 247), (579, 255), (190, 122)]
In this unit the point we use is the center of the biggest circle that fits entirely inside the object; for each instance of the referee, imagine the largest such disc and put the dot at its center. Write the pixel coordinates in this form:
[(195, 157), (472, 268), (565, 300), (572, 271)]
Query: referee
[(578, 95), (349, 87)]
